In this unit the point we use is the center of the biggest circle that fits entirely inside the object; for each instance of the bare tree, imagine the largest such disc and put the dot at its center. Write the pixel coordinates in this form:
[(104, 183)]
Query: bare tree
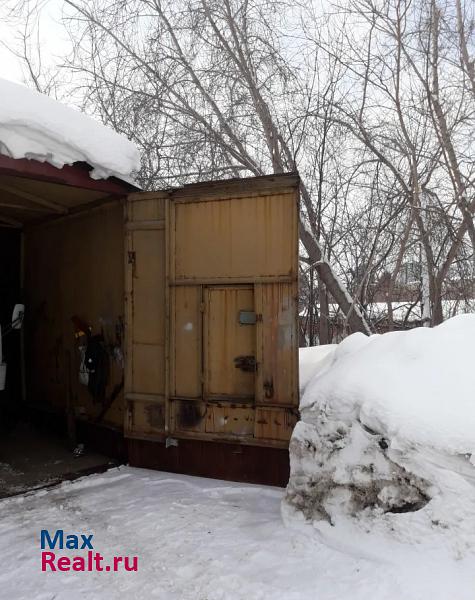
[(372, 101), (413, 127)]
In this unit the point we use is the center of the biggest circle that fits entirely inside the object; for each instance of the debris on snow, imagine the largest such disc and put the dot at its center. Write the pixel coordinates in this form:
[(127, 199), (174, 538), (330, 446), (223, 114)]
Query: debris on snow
[(34, 126)]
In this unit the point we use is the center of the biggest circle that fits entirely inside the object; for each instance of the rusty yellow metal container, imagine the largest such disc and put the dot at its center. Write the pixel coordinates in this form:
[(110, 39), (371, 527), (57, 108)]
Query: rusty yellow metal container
[(209, 277), (211, 294)]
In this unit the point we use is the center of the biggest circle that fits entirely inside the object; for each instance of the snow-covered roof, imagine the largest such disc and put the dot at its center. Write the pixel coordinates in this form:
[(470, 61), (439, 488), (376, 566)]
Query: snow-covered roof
[(34, 126)]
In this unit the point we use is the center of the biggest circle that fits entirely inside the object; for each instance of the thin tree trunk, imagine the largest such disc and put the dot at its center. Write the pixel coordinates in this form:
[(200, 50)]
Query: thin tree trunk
[(311, 308), (323, 330)]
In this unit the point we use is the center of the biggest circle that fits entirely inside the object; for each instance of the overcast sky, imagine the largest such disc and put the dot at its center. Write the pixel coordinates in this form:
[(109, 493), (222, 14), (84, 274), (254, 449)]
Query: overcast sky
[(52, 38), (9, 66)]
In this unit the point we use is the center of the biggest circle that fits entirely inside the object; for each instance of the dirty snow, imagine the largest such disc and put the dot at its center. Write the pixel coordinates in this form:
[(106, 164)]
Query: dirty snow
[(34, 126), (200, 539), (382, 460)]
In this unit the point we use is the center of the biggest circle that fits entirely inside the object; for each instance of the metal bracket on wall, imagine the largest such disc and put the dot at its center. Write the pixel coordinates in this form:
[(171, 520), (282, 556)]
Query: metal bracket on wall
[(248, 317)]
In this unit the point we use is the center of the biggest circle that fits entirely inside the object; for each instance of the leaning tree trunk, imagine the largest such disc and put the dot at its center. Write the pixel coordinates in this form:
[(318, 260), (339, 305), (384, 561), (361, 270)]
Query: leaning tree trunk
[(355, 318)]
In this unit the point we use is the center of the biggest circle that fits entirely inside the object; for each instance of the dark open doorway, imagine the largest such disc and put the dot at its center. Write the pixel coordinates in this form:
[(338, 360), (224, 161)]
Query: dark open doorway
[(34, 449), (10, 294)]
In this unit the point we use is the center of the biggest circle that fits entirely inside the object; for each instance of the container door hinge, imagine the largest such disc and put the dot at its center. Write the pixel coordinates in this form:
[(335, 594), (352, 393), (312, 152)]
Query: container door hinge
[(249, 317), (269, 389), (132, 260)]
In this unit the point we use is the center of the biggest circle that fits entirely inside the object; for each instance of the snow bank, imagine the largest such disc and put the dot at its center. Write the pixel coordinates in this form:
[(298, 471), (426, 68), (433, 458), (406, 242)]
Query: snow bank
[(311, 360), (35, 126), (386, 444)]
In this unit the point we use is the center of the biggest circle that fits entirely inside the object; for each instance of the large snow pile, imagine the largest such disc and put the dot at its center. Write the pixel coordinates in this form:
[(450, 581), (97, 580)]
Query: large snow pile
[(386, 444), (35, 126), (311, 360)]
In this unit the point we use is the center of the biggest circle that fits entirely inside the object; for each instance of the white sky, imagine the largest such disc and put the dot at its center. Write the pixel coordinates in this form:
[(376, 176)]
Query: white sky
[(53, 39), (9, 66)]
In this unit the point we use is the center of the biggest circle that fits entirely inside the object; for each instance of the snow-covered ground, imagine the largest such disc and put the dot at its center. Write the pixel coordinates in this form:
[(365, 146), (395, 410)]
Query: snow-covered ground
[(34, 126), (200, 539)]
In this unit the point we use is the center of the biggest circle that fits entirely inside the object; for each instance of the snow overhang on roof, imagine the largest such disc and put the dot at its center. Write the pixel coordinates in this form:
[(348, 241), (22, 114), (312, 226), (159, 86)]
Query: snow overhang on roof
[(34, 126)]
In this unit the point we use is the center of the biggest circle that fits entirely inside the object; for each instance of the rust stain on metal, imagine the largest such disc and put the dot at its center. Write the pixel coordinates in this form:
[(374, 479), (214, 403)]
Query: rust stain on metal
[(189, 415)]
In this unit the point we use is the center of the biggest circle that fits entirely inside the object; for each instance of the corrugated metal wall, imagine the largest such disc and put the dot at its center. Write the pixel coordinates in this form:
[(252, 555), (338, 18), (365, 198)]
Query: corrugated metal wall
[(211, 291), (73, 267)]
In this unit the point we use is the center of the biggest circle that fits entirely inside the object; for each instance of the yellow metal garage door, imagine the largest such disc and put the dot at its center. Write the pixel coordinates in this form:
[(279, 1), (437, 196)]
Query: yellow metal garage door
[(230, 342)]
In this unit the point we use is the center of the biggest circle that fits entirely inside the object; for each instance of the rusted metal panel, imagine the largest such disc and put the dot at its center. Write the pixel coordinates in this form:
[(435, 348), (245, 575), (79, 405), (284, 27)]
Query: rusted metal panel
[(146, 342), (145, 261), (143, 208), (277, 380), (236, 241), (229, 307), (226, 341), (275, 423), (186, 335), (235, 280), (188, 416), (145, 419), (237, 237), (73, 268), (219, 256), (230, 420), (237, 188), (234, 462), (148, 361), (213, 420)]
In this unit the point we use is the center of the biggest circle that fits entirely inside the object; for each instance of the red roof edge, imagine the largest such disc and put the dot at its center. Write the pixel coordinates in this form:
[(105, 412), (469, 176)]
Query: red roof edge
[(76, 175)]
